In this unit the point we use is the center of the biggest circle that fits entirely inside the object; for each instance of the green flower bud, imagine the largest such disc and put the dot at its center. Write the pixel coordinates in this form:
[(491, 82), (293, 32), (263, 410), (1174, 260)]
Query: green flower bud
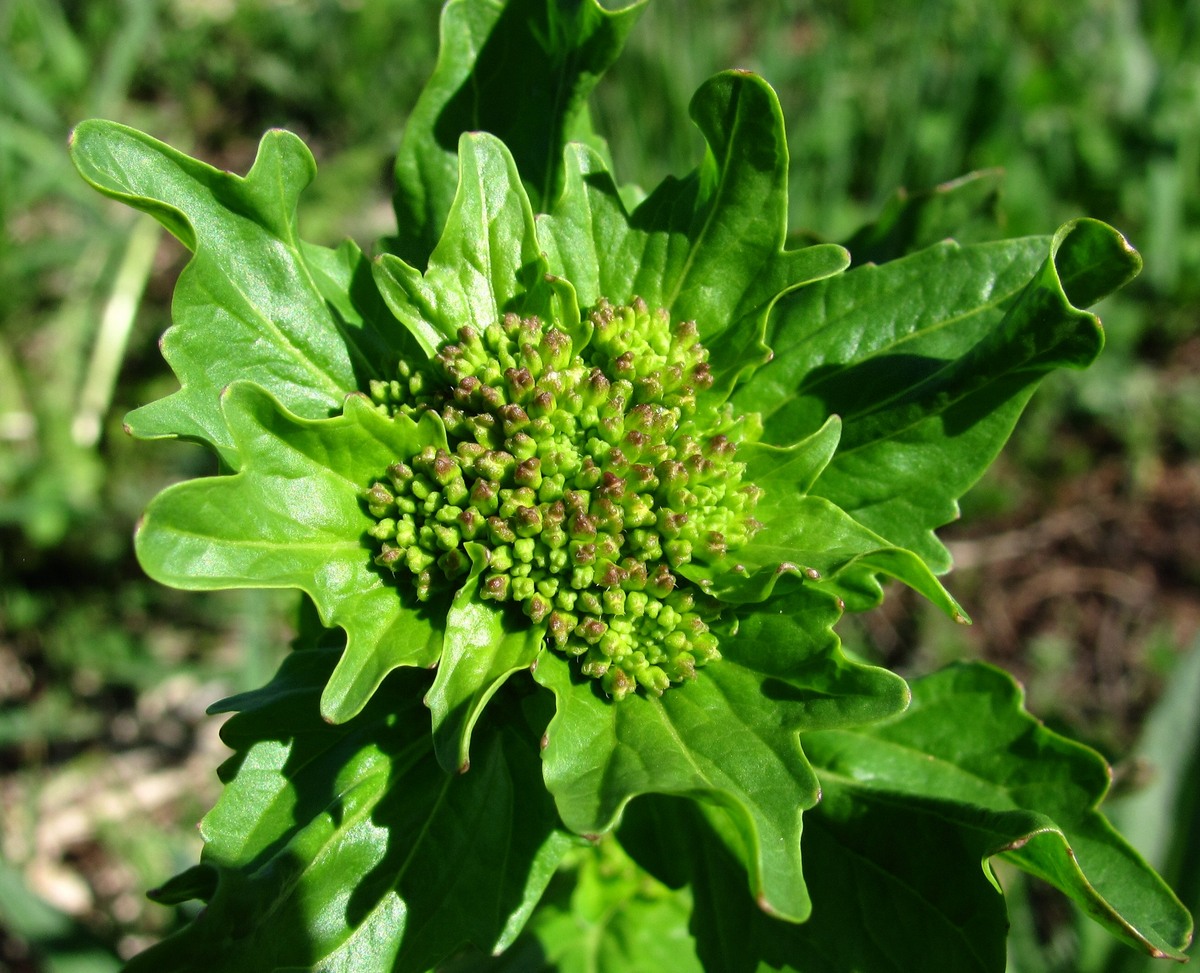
[(578, 460)]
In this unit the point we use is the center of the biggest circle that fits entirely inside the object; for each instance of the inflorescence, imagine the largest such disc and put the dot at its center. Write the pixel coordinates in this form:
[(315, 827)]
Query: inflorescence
[(588, 474)]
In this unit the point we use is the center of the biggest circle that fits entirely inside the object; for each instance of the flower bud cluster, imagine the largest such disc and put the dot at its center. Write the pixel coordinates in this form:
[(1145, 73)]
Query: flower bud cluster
[(582, 469)]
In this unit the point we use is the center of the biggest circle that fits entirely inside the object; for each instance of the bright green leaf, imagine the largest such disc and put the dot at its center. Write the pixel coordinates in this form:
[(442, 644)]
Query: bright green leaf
[(487, 262), (293, 517), (729, 737), (708, 247), (929, 360), (481, 649), (248, 304)]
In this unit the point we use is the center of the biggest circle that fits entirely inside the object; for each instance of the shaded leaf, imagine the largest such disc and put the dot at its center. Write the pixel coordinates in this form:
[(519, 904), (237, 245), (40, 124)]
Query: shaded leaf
[(929, 361), (963, 208), (481, 649), (968, 756), (1158, 817), (521, 71), (346, 847), (877, 908), (817, 539)]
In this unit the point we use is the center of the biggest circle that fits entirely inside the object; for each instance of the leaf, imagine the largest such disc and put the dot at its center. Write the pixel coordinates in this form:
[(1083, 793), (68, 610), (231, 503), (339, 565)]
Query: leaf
[(821, 541), (293, 518), (983, 773), (808, 537), (346, 848), (601, 914), (708, 247), (1158, 817), (481, 649), (728, 738), (929, 360), (521, 71), (869, 914), (911, 807), (785, 472), (618, 920), (249, 305), (487, 262)]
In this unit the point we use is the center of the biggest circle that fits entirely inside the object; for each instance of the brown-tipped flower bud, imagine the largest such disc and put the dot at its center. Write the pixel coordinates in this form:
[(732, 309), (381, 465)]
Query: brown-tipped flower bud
[(584, 476)]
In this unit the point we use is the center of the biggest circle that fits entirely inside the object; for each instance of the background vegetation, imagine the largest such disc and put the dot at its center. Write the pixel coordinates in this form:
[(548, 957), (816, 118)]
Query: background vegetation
[(1079, 555)]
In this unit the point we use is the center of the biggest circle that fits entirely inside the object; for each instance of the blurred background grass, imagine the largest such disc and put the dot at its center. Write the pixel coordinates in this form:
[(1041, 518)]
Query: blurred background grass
[(1079, 555)]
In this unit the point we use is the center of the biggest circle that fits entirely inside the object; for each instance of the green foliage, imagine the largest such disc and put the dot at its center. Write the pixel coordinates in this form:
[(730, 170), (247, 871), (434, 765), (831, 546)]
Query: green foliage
[(349, 836)]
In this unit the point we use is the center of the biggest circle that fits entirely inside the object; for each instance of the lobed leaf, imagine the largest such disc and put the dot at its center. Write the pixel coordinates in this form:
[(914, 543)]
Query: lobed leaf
[(521, 71), (487, 262), (1157, 817), (340, 842), (293, 517), (980, 771), (346, 847), (254, 302), (483, 646), (729, 738), (877, 906), (708, 247), (614, 918), (928, 361), (912, 221), (911, 806)]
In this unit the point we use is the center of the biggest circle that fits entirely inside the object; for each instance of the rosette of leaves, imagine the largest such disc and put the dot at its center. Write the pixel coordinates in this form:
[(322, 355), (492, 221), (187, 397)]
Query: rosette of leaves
[(612, 465)]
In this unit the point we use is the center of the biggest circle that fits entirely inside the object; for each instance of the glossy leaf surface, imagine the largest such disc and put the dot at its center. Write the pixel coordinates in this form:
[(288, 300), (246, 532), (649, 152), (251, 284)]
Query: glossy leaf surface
[(728, 738), (897, 861), (929, 360), (255, 301), (293, 517)]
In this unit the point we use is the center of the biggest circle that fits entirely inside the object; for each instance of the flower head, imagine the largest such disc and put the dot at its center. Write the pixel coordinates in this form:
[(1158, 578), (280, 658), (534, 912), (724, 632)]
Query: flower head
[(584, 473)]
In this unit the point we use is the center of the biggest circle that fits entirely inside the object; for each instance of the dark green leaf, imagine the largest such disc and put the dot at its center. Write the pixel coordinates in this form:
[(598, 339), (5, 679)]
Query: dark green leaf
[(877, 907), (347, 848), (967, 756), (1158, 817), (914, 221), (521, 71)]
